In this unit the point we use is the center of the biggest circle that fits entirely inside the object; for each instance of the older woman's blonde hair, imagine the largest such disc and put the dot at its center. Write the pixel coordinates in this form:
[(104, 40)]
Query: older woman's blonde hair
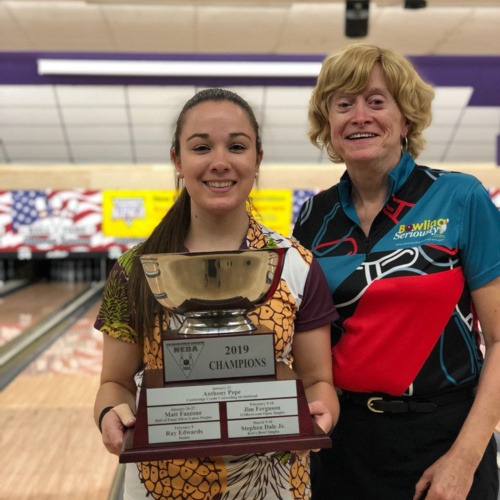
[(349, 71)]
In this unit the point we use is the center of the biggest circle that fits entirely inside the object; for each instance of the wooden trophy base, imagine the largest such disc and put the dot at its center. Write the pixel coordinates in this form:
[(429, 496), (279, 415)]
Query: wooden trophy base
[(217, 418)]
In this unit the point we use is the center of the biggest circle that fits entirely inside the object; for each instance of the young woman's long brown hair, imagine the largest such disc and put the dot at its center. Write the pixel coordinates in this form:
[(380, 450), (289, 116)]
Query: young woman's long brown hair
[(169, 235)]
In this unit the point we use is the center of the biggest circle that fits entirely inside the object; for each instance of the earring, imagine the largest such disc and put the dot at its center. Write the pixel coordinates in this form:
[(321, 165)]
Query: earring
[(257, 174), (404, 144)]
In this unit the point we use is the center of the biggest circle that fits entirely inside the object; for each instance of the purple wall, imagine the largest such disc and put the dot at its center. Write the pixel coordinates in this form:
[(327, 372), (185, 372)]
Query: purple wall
[(480, 72)]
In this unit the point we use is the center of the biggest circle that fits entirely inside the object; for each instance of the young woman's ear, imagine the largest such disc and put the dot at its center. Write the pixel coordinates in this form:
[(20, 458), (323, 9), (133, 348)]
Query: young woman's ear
[(259, 159), (176, 162)]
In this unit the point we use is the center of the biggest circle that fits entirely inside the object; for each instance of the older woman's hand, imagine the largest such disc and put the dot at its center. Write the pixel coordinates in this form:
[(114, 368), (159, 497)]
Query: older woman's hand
[(449, 478)]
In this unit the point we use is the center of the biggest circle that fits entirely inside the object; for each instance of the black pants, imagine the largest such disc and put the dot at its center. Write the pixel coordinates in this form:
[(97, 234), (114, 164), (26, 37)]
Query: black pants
[(382, 456)]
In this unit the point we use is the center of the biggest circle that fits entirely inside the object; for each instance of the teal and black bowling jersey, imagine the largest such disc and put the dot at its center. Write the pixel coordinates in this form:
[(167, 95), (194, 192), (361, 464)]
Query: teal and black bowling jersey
[(407, 323)]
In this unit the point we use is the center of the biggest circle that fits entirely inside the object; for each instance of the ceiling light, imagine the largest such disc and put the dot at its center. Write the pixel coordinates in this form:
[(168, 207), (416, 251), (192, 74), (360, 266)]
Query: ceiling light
[(177, 68)]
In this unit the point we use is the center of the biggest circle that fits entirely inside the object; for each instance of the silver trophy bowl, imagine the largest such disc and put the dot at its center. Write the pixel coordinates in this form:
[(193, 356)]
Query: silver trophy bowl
[(214, 291)]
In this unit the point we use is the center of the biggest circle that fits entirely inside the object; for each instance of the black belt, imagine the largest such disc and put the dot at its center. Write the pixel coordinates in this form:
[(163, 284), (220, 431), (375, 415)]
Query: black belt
[(384, 403)]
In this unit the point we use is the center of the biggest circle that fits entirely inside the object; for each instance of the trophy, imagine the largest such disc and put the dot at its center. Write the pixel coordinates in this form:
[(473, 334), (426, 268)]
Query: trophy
[(220, 391)]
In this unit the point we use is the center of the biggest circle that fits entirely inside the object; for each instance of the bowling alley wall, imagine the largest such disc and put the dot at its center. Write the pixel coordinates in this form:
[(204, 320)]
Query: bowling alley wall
[(64, 210), (106, 209)]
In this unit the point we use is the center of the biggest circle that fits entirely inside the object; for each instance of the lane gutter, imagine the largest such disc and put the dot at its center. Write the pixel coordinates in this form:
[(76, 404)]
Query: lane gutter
[(21, 351)]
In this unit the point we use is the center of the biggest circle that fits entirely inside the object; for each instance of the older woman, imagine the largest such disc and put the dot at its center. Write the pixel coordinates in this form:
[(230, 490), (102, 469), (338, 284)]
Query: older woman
[(412, 257)]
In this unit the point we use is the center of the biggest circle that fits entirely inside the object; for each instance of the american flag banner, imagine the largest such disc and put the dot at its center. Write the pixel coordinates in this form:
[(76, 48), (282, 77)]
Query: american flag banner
[(8, 238), (299, 198), (5, 213), (49, 220), (24, 209), (71, 220)]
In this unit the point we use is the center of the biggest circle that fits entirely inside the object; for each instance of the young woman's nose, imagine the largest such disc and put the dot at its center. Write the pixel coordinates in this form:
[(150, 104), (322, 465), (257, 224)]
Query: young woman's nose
[(220, 160)]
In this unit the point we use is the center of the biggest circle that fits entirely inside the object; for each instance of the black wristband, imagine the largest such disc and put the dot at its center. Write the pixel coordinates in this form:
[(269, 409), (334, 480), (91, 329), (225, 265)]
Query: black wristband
[(101, 416)]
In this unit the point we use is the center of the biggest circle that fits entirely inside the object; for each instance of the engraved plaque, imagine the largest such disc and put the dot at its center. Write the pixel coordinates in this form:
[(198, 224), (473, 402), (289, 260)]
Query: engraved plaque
[(220, 391)]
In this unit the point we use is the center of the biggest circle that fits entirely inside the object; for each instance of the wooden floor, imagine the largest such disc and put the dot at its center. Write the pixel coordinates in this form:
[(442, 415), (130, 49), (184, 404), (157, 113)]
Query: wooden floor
[(50, 448)]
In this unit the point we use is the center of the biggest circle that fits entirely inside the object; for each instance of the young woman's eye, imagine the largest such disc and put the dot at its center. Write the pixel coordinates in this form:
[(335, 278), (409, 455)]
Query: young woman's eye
[(201, 148), (237, 147)]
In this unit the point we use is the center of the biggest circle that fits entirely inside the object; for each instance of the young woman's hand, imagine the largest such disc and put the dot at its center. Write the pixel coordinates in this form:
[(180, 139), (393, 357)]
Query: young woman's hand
[(113, 426)]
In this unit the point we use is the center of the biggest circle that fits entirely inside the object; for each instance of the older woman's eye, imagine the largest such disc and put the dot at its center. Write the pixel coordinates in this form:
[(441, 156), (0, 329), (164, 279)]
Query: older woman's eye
[(342, 105), (377, 102)]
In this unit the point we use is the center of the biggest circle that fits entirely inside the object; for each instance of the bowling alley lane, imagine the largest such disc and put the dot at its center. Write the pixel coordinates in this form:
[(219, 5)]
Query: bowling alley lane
[(27, 306), (51, 448)]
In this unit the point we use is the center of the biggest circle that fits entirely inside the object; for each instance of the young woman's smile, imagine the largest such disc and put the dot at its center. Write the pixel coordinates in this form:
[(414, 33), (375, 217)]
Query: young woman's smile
[(218, 157)]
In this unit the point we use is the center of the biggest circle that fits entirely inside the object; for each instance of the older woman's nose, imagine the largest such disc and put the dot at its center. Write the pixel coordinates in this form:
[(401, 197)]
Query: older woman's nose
[(361, 112)]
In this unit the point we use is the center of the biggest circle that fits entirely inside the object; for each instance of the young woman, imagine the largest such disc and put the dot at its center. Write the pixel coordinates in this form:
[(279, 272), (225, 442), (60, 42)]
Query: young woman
[(217, 153)]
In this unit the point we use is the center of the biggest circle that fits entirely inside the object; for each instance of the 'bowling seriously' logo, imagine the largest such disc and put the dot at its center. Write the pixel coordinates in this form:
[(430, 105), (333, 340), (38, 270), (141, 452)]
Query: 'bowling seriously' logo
[(429, 227)]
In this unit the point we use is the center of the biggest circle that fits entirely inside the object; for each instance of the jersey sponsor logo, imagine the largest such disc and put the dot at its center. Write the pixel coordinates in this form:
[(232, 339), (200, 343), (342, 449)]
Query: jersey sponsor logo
[(434, 228)]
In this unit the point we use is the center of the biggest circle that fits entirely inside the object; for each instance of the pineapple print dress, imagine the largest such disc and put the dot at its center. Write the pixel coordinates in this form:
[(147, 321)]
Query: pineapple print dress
[(302, 302)]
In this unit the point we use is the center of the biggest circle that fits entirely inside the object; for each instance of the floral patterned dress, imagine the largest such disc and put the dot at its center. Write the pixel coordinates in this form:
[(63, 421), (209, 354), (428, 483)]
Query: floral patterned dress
[(302, 302)]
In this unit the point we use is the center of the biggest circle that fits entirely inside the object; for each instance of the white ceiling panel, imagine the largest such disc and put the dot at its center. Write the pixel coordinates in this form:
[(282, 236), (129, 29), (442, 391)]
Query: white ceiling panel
[(285, 134), (89, 115), (452, 97), (275, 152), (152, 153), (145, 95), (27, 95), (31, 134), (286, 116), (439, 134), (38, 153), (29, 116), (127, 122), (446, 116), (433, 153), (253, 94), (164, 117), (477, 134), (97, 153), (288, 96), (99, 134), (483, 115), (145, 134), (464, 153), (90, 95)]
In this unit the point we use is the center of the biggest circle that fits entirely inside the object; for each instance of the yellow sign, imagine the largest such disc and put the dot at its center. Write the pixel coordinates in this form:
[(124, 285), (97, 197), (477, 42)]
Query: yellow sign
[(134, 214), (274, 208)]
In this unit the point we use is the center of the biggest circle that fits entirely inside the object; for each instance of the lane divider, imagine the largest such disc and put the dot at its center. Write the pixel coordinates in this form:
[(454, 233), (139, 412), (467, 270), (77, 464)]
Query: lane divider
[(16, 355)]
